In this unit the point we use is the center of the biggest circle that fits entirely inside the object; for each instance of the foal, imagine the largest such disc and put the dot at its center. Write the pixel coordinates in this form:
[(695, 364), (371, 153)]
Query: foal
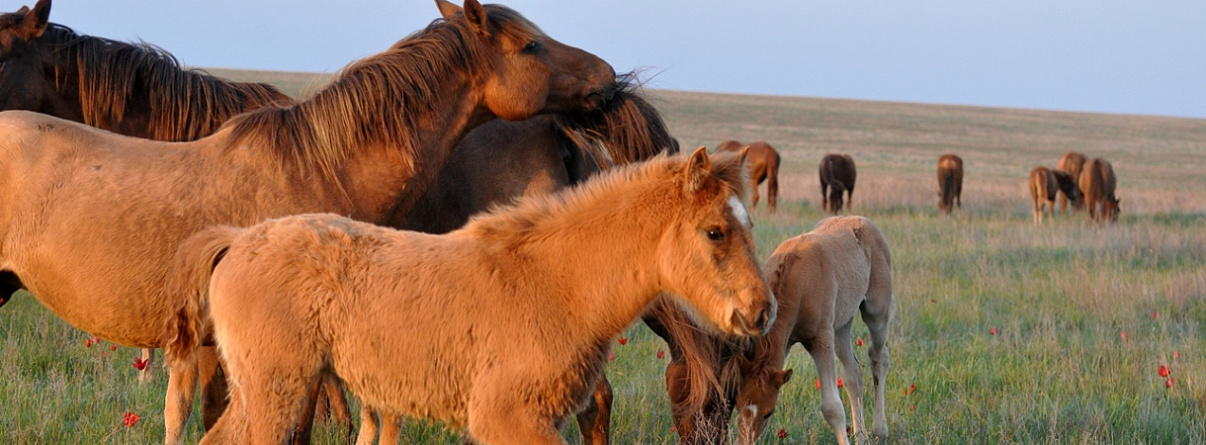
[(1043, 187), (502, 327)]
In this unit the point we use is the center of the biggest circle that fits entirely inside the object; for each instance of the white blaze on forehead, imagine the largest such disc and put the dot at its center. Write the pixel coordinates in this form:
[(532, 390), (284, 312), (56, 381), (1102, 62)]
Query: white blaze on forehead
[(739, 211), (753, 409)]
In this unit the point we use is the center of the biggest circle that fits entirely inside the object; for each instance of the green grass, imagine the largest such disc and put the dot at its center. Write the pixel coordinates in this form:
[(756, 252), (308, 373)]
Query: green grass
[(1061, 295)]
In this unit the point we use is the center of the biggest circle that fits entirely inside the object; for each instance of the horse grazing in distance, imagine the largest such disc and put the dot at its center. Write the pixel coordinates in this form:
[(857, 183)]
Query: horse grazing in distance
[(365, 146), (132, 89), (837, 175), (1071, 162), (950, 183), (521, 289), (1097, 182), (821, 280), (764, 166), (1068, 190), (1043, 187)]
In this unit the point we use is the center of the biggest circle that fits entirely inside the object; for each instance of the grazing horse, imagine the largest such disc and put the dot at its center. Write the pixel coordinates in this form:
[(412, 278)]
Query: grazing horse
[(837, 174), (91, 216), (950, 183), (132, 89), (1097, 182), (1068, 190), (1071, 162), (501, 327), (764, 166), (821, 280), (1043, 187)]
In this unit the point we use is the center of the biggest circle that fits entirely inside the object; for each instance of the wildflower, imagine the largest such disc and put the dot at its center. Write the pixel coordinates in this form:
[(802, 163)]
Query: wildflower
[(130, 419), (140, 363)]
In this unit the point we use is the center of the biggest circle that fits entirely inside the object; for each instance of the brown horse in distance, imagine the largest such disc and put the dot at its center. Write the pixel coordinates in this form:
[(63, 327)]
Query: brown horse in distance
[(1097, 182), (950, 183), (365, 146), (764, 166), (1071, 162), (1043, 187), (837, 175), (473, 296)]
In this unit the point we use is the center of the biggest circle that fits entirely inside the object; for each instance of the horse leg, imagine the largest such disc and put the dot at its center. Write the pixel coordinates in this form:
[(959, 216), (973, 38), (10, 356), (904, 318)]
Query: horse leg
[(305, 422), (753, 193), (824, 197), (368, 425), (148, 372), (336, 404), (178, 404), (821, 350), (877, 313), (231, 426), (391, 429), (850, 198), (511, 424), (595, 419), (214, 390), (852, 377)]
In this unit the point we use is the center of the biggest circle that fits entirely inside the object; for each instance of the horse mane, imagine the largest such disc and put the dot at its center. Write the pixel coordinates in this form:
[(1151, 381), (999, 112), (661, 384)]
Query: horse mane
[(184, 104), (383, 98), (617, 134), (520, 220)]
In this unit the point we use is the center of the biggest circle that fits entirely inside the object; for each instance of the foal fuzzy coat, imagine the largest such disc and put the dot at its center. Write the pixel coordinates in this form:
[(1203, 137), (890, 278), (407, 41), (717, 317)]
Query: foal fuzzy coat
[(502, 326)]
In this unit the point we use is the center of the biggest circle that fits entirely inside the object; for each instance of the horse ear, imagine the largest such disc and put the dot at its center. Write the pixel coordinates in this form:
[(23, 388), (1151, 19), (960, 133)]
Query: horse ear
[(782, 377), (476, 14), (744, 152), (447, 8), (698, 168), (36, 19)]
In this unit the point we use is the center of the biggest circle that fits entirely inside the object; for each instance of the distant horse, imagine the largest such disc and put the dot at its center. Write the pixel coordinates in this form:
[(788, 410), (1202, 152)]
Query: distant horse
[(1068, 190), (950, 183), (764, 166), (1043, 187), (821, 280), (838, 175), (133, 89), (509, 319), (1097, 182), (94, 217), (1071, 162)]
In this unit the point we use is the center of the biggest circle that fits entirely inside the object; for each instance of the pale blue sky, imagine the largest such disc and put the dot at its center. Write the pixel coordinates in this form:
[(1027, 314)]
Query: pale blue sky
[(1114, 56)]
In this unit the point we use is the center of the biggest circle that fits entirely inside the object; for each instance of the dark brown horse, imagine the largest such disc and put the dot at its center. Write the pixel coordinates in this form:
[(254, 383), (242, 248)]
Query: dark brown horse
[(1068, 189), (837, 175), (1071, 162), (132, 89), (950, 183), (94, 216), (764, 166), (1097, 182)]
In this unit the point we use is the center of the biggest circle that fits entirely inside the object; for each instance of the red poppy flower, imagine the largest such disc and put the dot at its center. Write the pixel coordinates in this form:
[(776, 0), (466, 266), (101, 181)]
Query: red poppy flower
[(139, 363), (611, 357), (623, 341), (1123, 335), (1163, 371), (1169, 383), (87, 342), (661, 354), (112, 347), (992, 331), (674, 428), (818, 383), (782, 434), (839, 382), (859, 342), (913, 408), (130, 419), (1154, 315)]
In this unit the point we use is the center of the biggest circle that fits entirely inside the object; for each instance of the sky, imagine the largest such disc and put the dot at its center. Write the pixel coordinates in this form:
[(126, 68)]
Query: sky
[(1108, 56)]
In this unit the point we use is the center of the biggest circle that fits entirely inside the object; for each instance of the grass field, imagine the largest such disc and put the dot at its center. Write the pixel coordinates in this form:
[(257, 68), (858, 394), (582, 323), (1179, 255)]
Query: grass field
[(1083, 316)]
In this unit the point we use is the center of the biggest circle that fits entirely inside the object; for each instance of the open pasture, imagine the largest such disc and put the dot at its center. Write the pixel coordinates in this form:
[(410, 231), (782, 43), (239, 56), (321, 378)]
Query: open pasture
[(1006, 332)]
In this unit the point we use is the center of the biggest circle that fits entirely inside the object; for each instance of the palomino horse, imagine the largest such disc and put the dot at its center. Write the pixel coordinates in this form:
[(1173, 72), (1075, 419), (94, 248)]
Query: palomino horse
[(821, 280), (515, 311), (838, 175), (764, 166), (133, 89), (1097, 182), (1043, 187), (950, 183), (95, 217), (1071, 162)]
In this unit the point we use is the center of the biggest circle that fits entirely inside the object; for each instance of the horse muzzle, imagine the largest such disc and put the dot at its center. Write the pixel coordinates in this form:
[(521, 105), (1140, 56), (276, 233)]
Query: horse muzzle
[(756, 321)]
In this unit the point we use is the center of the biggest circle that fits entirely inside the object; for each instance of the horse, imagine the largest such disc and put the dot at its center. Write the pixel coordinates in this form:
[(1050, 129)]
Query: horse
[(1068, 190), (1097, 182), (838, 174), (502, 326), (821, 279), (95, 217), (1071, 162), (950, 183), (133, 89), (1043, 187), (764, 166)]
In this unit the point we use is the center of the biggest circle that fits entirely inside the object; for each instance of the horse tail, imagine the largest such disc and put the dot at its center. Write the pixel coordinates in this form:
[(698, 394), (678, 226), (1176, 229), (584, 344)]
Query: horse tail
[(948, 187), (772, 180), (188, 327), (699, 352)]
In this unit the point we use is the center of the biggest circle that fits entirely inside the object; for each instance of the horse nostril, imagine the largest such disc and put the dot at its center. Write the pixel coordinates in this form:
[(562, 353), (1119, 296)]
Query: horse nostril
[(760, 323)]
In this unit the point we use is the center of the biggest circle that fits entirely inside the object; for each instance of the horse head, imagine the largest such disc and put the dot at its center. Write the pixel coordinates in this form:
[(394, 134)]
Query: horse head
[(707, 255), (26, 61), (756, 398), (534, 73)]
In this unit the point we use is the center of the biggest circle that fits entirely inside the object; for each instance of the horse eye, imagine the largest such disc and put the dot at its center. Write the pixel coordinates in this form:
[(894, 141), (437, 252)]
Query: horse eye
[(768, 414), (715, 234), (533, 47)]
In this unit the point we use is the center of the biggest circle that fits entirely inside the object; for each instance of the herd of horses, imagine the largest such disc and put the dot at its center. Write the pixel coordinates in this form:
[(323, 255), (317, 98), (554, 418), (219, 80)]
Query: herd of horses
[(505, 197), (1086, 184)]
